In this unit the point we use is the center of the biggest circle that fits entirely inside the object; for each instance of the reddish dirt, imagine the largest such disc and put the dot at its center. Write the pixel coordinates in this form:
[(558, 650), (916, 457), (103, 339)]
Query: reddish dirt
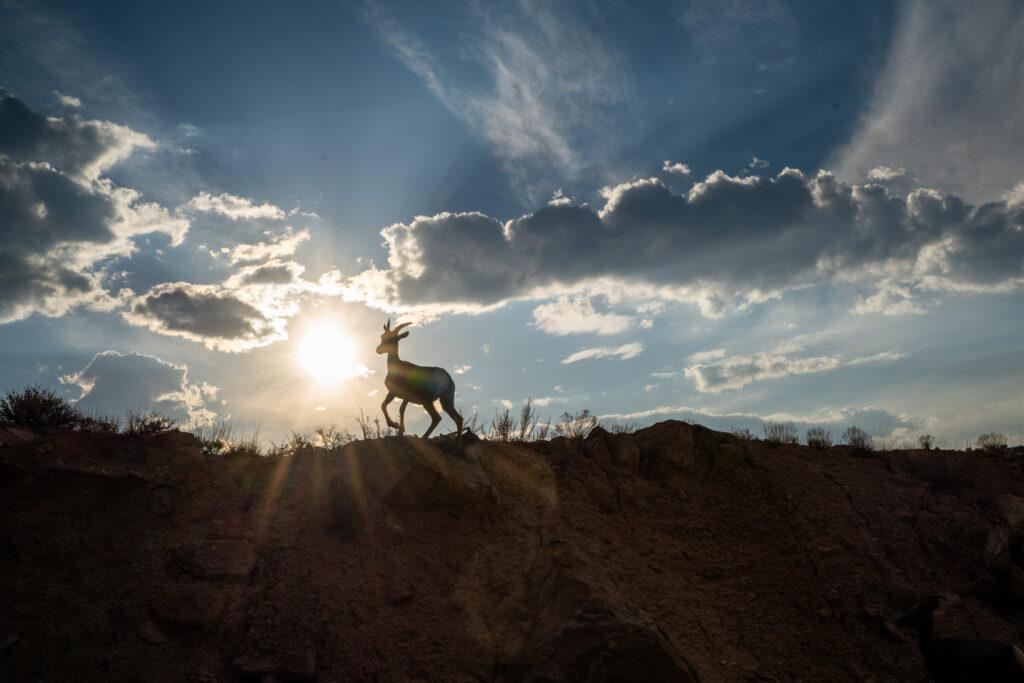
[(675, 553)]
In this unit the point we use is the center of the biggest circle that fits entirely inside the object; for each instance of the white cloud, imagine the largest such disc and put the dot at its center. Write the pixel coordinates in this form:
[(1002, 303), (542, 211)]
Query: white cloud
[(68, 100), (576, 315), (757, 164), (233, 207), (710, 354), (886, 173), (624, 352), (716, 373), (462, 369), (737, 372), (276, 247), (675, 167)]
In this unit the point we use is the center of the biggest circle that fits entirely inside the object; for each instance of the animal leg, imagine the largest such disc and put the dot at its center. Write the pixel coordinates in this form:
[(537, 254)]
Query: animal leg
[(434, 418), (384, 406), (401, 418), (448, 403)]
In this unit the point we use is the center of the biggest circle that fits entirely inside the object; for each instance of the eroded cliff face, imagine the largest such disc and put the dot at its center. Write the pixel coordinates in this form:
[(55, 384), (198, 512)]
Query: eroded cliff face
[(672, 554)]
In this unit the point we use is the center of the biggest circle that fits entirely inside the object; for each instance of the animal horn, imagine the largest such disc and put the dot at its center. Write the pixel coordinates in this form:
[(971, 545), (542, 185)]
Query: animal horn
[(400, 326), (387, 325)]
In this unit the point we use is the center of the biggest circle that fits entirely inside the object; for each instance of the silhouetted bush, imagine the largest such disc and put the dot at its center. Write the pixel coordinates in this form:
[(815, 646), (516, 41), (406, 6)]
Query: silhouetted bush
[(858, 438), (992, 442), (527, 420), (38, 407), (503, 426), (575, 425), (777, 433), (148, 424), (331, 437), (744, 435), (98, 424), (819, 437), (372, 428), (925, 441), (620, 426)]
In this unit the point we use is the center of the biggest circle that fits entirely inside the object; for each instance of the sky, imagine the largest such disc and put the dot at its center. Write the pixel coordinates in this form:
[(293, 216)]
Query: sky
[(724, 212)]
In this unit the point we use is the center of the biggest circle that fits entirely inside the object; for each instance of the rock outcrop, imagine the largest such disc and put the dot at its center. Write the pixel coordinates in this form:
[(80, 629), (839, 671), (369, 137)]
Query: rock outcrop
[(675, 553)]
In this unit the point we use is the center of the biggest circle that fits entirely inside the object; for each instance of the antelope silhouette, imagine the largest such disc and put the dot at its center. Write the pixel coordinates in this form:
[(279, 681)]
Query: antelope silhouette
[(415, 384)]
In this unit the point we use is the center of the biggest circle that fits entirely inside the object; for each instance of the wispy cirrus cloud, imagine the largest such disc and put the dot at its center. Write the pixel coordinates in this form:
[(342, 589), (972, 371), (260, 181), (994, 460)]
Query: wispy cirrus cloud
[(947, 104), (552, 86), (624, 352)]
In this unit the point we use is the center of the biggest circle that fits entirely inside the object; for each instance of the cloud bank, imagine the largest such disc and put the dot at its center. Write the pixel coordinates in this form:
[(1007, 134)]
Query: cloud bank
[(113, 382), (727, 242), (59, 219)]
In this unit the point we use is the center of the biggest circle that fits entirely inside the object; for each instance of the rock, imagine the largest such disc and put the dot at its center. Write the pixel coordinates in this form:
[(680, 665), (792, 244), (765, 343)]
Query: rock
[(672, 450), (602, 647), (229, 559), (11, 435), (251, 666), (298, 665), (618, 451), (1012, 509), (193, 605), (411, 474), (998, 559), (346, 507), (150, 632)]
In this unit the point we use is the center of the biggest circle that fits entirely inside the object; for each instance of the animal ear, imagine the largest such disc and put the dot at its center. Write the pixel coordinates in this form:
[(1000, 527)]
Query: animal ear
[(403, 335)]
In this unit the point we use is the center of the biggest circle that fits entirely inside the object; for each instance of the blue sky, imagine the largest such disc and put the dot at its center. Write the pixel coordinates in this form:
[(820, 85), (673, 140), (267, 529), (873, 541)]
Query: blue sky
[(714, 211)]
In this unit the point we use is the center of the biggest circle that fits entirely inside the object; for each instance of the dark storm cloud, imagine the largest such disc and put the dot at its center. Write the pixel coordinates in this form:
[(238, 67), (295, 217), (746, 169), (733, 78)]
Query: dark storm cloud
[(73, 145), (274, 273), (205, 313), (727, 239), (57, 217), (113, 383)]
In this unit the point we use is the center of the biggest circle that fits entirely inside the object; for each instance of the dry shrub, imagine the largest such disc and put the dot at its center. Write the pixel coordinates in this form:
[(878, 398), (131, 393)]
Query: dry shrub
[(38, 407), (778, 433), (993, 441), (819, 437), (576, 425), (148, 424), (858, 438)]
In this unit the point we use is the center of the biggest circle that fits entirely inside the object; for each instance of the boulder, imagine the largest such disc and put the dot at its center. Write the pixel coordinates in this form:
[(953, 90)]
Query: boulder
[(195, 605), (228, 559), (11, 435), (999, 560), (602, 647), (674, 451), (1012, 509), (409, 473)]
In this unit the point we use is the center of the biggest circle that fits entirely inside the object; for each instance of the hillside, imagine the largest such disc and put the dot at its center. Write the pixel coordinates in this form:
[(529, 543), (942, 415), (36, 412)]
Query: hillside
[(674, 553)]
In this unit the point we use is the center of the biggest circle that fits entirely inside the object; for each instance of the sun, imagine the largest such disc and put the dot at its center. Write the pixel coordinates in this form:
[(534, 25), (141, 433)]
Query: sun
[(327, 354)]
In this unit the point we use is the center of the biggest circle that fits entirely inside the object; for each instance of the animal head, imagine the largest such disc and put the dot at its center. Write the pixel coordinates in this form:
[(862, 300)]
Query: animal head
[(390, 337), (925, 606)]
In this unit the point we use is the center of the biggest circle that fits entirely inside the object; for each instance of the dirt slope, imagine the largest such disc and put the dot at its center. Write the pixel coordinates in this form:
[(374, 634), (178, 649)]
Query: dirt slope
[(675, 553)]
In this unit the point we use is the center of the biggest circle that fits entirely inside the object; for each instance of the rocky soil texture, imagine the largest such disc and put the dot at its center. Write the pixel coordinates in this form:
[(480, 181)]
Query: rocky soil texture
[(672, 554)]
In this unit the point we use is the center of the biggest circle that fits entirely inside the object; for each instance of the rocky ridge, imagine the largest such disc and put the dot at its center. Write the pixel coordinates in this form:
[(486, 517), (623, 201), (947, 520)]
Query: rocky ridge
[(675, 553)]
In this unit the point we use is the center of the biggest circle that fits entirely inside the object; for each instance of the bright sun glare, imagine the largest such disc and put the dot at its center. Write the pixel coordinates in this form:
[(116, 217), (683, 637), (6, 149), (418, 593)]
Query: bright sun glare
[(327, 354)]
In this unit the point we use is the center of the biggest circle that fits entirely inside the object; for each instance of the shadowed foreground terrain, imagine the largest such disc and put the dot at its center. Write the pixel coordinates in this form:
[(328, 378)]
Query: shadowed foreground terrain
[(674, 553)]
